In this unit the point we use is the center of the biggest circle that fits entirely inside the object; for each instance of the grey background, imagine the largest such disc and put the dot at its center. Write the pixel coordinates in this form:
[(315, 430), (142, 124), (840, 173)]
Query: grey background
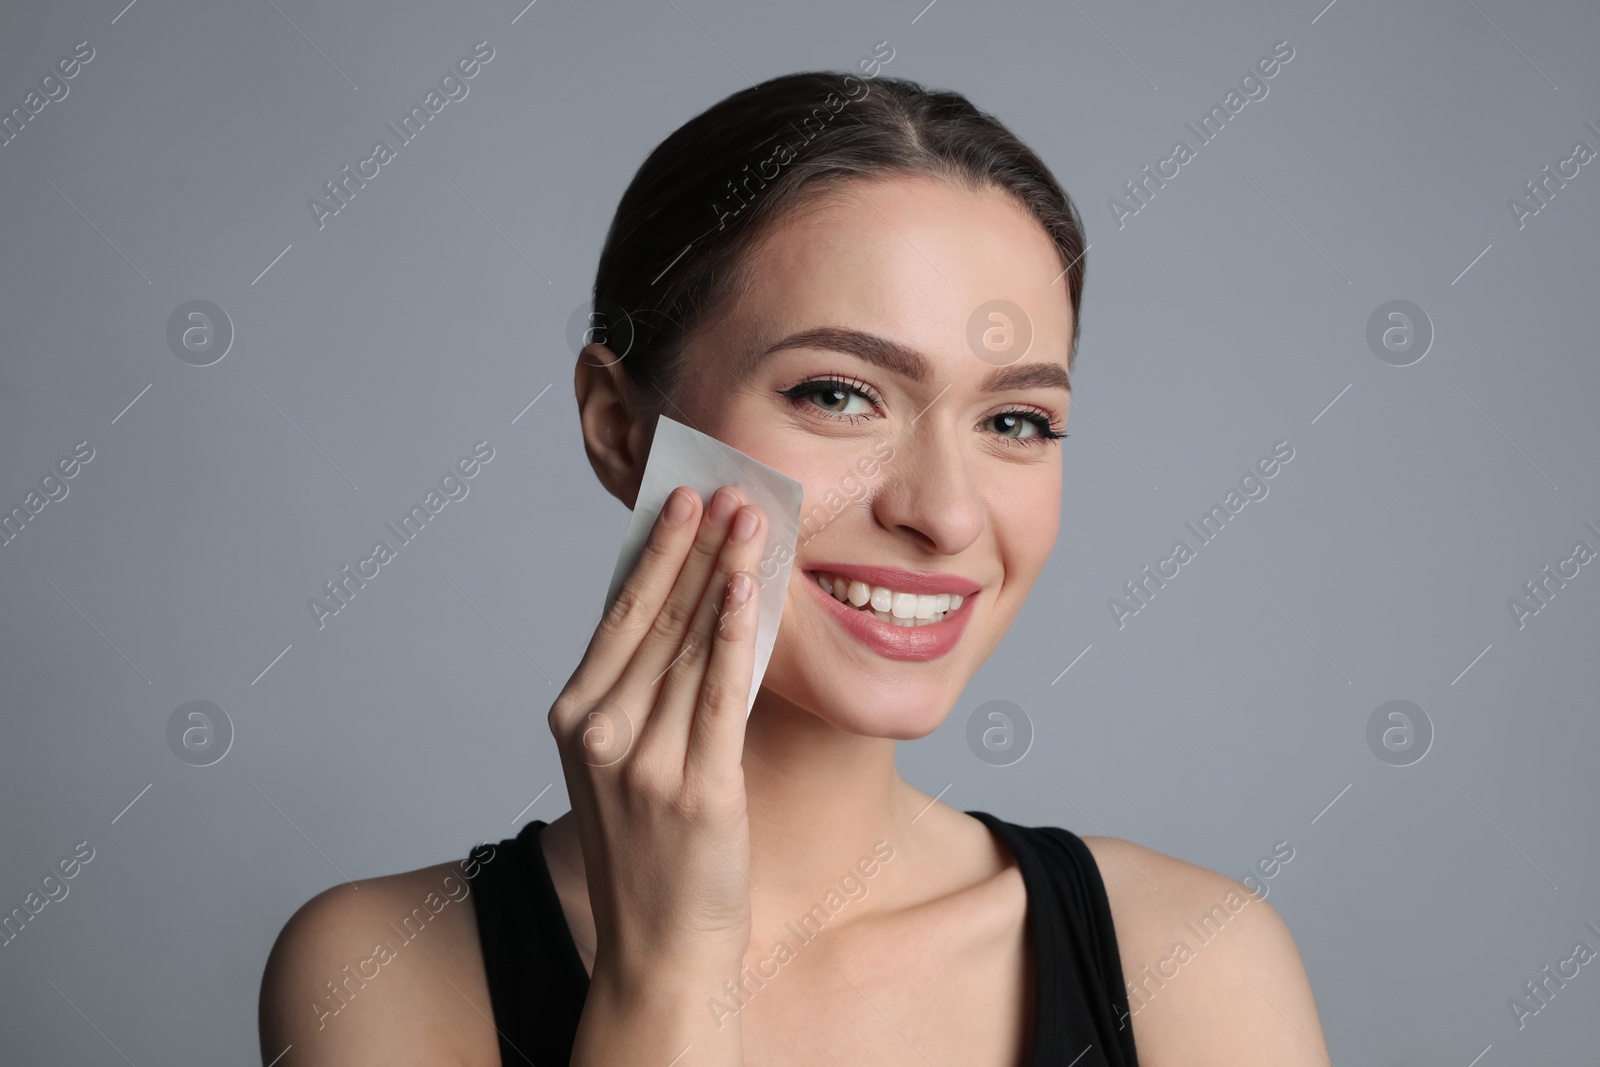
[(1224, 317)]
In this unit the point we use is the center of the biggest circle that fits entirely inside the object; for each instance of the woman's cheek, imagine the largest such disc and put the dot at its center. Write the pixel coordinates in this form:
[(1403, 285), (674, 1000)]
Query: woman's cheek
[(1028, 532), (788, 664)]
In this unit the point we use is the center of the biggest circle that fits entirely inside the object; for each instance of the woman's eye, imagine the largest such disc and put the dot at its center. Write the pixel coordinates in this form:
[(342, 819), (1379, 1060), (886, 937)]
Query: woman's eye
[(842, 399), (1029, 426), (835, 398), (1015, 424)]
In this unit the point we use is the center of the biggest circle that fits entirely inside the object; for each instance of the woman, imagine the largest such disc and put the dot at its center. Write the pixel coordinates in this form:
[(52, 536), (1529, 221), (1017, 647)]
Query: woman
[(802, 267)]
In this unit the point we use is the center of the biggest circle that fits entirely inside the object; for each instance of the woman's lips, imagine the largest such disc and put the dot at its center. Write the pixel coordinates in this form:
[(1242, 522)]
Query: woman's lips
[(900, 578), (896, 642)]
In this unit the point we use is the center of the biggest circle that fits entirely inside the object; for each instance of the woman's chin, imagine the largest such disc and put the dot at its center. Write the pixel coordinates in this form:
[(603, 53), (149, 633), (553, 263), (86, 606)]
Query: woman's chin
[(871, 709)]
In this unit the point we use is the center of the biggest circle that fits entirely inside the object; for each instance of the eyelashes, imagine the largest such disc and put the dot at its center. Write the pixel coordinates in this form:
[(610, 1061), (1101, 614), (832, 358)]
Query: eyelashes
[(841, 389)]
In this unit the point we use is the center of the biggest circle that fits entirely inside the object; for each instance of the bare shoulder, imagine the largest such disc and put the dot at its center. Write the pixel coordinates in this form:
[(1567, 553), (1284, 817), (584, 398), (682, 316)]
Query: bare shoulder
[(363, 972), (1213, 974)]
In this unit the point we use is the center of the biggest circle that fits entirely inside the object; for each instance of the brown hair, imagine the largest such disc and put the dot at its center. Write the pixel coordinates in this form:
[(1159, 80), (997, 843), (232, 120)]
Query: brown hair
[(676, 248)]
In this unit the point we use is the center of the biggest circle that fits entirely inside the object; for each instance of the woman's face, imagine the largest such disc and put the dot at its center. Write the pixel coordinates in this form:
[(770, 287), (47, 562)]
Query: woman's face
[(915, 459)]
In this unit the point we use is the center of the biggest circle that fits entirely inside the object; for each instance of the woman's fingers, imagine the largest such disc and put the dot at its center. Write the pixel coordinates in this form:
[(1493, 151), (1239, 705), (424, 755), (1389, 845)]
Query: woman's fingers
[(633, 613), (716, 736), (711, 676), (663, 643), (643, 631)]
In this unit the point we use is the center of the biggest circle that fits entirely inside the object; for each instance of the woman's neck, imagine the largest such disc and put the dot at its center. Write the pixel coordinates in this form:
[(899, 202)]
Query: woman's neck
[(820, 798)]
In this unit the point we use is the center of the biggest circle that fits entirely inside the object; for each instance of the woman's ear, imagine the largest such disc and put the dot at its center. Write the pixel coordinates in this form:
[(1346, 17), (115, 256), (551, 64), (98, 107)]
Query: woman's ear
[(616, 429)]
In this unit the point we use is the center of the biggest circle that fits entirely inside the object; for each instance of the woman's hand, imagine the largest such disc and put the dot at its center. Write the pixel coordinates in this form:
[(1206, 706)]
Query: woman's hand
[(650, 729)]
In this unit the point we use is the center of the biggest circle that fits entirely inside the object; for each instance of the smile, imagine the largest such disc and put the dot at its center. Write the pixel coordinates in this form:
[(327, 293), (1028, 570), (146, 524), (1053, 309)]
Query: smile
[(888, 605), (900, 614)]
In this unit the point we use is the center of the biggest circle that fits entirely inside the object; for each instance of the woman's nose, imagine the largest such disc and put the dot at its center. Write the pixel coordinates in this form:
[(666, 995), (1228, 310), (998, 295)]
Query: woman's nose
[(929, 491)]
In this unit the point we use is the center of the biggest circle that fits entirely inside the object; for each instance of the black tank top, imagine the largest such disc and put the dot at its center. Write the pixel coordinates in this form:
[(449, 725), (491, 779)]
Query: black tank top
[(537, 981)]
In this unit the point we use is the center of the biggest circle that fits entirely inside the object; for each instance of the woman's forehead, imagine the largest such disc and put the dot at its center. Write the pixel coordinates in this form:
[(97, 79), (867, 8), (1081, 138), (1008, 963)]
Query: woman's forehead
[(912, 261)]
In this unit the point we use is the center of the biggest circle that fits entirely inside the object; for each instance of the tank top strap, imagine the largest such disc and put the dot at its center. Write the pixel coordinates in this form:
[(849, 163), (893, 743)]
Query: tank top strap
[(537, 981), (1081, 1003)]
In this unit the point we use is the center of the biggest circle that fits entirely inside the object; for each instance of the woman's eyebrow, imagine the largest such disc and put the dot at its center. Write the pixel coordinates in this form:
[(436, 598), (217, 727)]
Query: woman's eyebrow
[(880, 351), (908, 362), (1043, 375)]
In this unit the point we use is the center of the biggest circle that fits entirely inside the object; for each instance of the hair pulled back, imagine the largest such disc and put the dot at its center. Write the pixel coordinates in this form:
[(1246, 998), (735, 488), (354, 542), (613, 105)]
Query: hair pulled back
[(676, 249)]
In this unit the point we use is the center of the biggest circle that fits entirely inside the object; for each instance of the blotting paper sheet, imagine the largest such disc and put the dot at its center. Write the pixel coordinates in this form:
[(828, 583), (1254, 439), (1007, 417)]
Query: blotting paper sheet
[(682, 455)]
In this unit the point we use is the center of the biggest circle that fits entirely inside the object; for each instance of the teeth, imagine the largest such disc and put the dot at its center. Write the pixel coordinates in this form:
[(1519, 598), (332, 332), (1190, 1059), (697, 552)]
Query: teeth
[(888, 605)]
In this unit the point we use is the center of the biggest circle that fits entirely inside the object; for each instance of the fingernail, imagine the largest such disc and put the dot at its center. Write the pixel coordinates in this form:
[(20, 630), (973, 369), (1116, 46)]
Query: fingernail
[(744, 527), (678, 508), (723, 505), (738, 588)]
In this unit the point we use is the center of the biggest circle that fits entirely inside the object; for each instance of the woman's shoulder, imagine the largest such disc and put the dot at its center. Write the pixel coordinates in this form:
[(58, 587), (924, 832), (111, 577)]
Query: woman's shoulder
[(1211, 968), (363, 972)]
